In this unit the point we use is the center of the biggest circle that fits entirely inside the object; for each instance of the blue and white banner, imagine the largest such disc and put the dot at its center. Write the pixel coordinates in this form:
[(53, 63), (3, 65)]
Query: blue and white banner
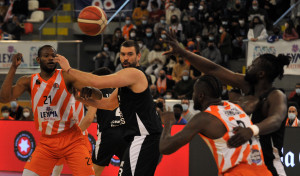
[(109, 6), (29, 50), (289, 48)]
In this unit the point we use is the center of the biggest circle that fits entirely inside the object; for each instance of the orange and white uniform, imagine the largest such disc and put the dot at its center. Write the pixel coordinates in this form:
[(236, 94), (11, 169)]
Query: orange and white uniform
[(295, 123), (242, 160), (56, 116)]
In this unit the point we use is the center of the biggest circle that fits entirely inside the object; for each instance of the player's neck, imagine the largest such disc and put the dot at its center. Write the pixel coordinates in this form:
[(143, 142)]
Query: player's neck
[(46, 75), (261, 87)]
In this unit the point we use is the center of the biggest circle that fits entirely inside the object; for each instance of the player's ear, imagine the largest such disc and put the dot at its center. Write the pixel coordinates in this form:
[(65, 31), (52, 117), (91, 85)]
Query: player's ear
[(38, 60)]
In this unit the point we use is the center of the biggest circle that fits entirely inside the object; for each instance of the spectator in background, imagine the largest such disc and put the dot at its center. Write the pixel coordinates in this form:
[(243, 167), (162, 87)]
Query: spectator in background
[(224, 45), (172, 10), (133, 34), (5, 114), (156, 13), (27, 114), (202, 12), (186, 114), (178, 69), (210, 28), (212, 52), (238, 47), (224, 95), (295, 95), (3, 8), (13, 27), (243, 28), (292, 119), (184, 88), (191, 46), (15, 110), (238, 11), (276, 35), (163, 83), (256, 11), (139, 12), (156, 60), (191, 27), (127, 27), (104, 58), (117, 40), (257, 30), (141, 30), (153, 91), (161, 25), (200, 44), (191, 11), (144, 54), (290, 31), (149, 39), (176, 26), (177, 109), (169, 95), (161, 105), (20, 9)]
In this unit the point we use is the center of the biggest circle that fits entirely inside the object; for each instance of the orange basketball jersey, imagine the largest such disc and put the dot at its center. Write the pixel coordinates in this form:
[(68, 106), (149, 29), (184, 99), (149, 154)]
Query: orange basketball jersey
[(52, 105), (250, 153)]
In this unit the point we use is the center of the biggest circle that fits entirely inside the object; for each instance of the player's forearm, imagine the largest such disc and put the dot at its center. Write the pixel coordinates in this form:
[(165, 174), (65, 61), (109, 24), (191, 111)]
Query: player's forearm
[(87, 79), (88, 119), (269, 125), (6, 89)]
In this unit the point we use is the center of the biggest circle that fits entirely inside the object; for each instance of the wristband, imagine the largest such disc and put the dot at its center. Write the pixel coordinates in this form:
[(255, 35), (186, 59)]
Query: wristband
[(69, 69), (254, 129)]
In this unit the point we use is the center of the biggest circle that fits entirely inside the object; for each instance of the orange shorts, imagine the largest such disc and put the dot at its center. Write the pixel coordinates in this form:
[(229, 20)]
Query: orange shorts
[(248, 170), (70, 145)]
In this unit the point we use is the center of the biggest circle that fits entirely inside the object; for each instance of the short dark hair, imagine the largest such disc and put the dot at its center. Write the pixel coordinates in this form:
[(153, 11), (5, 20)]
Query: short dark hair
[(274, 65), (131, 43), (178, 106), (211, 85), (4, 108), (41, 48), (102, 71)]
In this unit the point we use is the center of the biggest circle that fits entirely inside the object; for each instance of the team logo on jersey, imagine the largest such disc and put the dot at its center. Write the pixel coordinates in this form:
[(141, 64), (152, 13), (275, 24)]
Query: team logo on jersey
[(24, 145), (56, 85), (115, 161), (255, 156), (92, 141)]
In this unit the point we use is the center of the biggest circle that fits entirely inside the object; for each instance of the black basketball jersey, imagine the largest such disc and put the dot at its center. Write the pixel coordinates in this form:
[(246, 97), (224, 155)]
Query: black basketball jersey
[(108, 119), (139, 112)]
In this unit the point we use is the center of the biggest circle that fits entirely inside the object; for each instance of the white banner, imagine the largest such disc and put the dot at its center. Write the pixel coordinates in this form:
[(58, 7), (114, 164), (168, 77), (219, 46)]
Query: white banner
[(290, 48), (29, 49)]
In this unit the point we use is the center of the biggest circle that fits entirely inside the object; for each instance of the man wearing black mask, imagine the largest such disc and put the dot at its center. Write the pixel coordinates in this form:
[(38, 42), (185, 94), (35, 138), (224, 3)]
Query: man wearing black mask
[(212, 53), (163, 83), (177, 109)]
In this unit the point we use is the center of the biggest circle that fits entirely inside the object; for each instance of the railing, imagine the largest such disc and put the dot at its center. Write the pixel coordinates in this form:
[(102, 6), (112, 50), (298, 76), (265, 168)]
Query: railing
[(48, 19), (285, 13)]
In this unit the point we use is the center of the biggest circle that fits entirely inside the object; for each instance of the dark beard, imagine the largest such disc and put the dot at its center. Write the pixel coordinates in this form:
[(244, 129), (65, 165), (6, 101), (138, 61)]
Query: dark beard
[(250, 78), (197, 106), (129, 64), (48, 70)]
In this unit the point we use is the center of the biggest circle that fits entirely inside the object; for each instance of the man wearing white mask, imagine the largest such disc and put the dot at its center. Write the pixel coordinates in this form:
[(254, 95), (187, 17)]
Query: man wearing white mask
[(292, 119), (186, 114), (15, 110)]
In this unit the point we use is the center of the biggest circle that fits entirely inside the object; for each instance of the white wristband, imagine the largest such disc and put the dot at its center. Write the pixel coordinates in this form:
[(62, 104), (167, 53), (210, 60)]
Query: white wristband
[(255, 129)]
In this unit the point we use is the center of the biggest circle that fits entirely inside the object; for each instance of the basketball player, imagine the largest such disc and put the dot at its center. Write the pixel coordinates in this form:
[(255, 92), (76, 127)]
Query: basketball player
[(54, 115), (270, 111), (143, 125), (110, 140), (215, 125)]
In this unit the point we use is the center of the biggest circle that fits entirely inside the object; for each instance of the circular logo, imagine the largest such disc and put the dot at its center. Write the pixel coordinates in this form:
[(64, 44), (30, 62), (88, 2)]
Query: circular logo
[(115, 161), (92, 141), (255, 156), (24, 145)]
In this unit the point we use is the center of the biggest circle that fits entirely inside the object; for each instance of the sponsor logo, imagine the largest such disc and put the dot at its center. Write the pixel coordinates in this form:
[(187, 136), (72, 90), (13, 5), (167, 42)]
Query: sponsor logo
[(49, 114), (255, 156), (24, 145)]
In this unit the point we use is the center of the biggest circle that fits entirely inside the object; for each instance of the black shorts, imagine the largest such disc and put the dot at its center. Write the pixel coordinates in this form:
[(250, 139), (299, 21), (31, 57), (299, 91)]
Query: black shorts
[(110, 142), (141, 157)]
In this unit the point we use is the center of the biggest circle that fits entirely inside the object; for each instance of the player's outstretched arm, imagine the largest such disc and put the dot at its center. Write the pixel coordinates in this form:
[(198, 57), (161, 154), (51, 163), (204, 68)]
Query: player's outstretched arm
[(9, 92), (277, 109), (204, 65), (88, 119)]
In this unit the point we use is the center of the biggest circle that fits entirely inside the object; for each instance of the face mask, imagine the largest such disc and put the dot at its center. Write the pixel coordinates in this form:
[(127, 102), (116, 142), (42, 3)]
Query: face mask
[(177, 116), (198, 39), (168, 96), (127, 21), (298, 90), (224, 22), (5, 114), (185, 78), (117, 34), (144, 22), (191, 7), (185, 107), (162, 76), (201, 7), (163, 36), (255, 7), (148, 34), (242, 22), (292, 116), (26, 114), (140, 45), (132, 34), (172, 7), (105, 48), (211, 38), (220, 30)]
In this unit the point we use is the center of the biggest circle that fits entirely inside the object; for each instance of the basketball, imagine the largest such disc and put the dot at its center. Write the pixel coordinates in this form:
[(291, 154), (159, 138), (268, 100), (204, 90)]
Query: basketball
[(92, 20)]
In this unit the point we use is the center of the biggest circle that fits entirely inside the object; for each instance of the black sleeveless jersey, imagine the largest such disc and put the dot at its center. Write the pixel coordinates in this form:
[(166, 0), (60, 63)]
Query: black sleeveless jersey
[(108, 119), (138, 110), (274, 139)]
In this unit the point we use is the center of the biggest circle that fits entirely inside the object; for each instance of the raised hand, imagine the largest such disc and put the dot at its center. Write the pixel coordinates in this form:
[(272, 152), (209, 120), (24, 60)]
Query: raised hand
[(241, 136), (172, 41), (90, 93), (16, 60), (167, 117), (63, 62)]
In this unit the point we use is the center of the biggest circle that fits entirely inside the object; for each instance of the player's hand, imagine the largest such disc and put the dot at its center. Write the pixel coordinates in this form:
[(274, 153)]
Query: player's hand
[(167, 117), (90, 93), (16, 60), (63, 62), (241, 136), (172, 41)]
